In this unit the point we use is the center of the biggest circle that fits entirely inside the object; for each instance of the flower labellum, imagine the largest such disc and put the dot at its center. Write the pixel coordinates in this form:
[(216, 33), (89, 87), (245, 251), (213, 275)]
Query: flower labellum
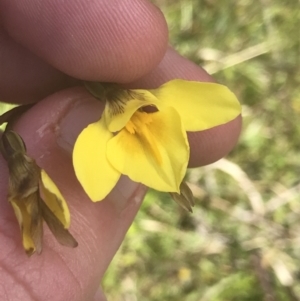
[(143, 134), (34, 197)]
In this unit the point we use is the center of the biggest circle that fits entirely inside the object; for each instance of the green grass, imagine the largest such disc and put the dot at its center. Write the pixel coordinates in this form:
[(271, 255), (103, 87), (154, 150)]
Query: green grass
[(242, 241)]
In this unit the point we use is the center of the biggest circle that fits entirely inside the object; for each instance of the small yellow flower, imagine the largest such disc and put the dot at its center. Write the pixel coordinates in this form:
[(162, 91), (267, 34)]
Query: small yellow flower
[(142, 134), (34, 197)]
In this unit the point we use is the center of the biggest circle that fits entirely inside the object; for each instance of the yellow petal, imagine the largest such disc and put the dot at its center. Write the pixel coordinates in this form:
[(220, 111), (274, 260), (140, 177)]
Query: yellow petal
[(92, 168), (201, 105), (156, 154), (130, 101), (24, 223), (54, 199)]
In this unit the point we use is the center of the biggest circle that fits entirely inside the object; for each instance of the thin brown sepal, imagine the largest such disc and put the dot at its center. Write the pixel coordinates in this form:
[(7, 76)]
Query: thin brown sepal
[(62, 235), (36, 227), (185, 199)]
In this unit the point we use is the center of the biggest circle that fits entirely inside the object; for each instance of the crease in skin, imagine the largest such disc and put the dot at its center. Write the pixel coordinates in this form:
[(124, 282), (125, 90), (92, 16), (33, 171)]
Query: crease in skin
[(76, 280)]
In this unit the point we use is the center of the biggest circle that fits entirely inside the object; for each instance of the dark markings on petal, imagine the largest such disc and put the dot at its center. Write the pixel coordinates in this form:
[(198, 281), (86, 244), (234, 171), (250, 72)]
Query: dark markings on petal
[(115, 96)]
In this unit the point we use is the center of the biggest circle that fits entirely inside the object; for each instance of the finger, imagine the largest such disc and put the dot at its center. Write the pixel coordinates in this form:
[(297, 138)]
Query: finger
[(206, 146), (24, 77), (172, 66), (106, 40), (60, 273)]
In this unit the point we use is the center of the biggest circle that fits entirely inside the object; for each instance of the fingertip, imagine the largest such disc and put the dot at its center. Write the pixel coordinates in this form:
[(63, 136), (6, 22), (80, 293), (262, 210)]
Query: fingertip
[(172, 66), (213, 144)]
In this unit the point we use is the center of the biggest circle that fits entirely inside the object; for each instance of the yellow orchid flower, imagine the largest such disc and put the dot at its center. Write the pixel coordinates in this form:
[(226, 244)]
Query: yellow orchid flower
[(142, 134), (34, 197)]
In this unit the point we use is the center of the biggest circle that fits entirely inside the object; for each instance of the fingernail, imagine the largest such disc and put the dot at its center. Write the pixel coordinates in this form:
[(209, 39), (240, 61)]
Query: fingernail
[(80, 115)]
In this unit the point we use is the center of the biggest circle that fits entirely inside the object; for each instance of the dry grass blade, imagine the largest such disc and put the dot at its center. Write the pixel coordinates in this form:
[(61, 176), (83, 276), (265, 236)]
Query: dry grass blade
[(244, 182), (238, 57)]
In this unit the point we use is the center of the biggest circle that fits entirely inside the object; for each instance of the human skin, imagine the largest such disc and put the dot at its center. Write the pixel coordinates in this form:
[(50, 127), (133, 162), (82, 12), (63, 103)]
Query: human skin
[(47, 47)]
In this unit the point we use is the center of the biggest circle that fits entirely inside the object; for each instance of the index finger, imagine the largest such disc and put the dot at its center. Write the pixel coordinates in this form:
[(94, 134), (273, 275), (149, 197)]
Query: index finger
[(108, 40)]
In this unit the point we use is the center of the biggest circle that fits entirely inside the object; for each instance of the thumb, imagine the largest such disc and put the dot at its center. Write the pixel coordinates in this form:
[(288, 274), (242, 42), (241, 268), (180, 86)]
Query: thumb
[(49, 130)]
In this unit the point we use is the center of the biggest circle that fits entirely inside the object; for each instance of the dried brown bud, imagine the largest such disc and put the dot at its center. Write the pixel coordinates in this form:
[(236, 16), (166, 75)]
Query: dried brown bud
[(34, 197)]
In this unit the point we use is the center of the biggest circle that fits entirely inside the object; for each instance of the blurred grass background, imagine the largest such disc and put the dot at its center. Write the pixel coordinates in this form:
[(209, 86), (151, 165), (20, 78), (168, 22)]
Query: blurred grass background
[(243, 240)]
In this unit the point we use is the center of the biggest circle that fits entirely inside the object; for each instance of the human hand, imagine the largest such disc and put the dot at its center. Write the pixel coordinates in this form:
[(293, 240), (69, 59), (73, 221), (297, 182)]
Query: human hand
[(44, 47)]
